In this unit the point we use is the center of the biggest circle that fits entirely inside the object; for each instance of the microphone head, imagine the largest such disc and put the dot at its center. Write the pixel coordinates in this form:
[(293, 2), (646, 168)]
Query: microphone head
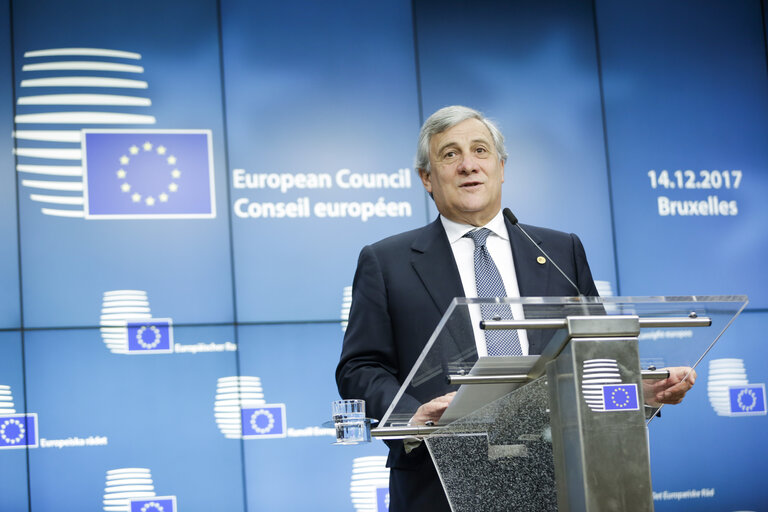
[(510, 216)]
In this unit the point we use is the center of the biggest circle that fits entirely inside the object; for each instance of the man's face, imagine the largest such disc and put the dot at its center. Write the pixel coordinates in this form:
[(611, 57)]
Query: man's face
[(466, 175)]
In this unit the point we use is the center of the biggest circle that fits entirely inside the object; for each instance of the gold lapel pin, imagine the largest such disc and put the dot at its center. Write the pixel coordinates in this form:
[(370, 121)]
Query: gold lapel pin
[(541, 260)]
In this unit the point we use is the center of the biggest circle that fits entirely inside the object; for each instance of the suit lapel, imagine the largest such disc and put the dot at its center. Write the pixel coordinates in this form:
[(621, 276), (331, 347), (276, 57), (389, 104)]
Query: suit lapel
[(532, 279), (532, 276), (432, 259)]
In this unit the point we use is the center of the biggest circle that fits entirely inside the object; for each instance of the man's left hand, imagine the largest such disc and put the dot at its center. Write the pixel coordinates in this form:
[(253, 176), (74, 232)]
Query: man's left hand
[(672, 389)]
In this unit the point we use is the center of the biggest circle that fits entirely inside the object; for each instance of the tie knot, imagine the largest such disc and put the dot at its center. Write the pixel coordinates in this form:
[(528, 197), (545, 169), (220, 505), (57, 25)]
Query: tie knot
[(479, 236)]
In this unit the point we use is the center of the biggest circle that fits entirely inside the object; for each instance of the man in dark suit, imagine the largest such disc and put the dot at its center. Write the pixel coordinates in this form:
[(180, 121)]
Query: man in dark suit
[(404, 284)]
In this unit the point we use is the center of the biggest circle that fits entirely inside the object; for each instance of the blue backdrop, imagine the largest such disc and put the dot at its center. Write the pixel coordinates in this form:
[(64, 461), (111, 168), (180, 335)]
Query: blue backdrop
[(285, 134)]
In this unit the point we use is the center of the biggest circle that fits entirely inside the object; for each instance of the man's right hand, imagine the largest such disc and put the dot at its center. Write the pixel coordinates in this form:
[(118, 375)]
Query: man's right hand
[(432, 410)]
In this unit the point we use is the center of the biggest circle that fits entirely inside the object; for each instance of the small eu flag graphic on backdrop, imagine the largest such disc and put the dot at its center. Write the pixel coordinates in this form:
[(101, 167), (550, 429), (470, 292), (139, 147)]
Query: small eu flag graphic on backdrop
[(747, 400), (382, 499), (18, 431), (148, 174), (621, 397), (154, 504), (263, 421), (150, 336)]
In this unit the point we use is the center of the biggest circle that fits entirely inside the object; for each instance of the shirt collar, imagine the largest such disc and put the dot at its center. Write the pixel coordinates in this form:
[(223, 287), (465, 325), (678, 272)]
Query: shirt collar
[(456, 231)]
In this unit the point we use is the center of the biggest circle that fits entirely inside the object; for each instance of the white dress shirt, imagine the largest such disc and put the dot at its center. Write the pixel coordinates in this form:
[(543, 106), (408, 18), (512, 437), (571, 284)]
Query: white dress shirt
[(501, 252)]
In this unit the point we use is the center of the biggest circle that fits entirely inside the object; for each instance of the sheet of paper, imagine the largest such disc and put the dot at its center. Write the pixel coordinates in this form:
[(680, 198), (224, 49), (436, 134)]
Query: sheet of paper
[(471, 397)]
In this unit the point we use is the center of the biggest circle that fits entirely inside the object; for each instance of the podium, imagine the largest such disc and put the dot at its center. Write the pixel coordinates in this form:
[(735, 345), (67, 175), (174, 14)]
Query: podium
[(566, 429)]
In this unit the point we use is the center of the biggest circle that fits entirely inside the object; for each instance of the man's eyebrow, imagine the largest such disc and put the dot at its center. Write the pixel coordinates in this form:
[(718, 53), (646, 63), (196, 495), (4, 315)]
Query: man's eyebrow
[(454, 143), (446, 145)]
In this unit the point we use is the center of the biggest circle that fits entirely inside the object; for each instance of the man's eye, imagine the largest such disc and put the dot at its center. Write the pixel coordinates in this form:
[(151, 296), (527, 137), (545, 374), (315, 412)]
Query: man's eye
[(449, 154)]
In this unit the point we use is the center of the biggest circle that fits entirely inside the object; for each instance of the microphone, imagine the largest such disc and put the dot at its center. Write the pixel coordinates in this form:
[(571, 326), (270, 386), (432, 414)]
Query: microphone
[(511, 218)]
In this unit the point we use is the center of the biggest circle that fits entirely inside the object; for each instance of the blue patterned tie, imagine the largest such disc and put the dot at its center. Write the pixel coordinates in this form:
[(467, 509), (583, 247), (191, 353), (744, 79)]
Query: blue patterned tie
[(489, 284)]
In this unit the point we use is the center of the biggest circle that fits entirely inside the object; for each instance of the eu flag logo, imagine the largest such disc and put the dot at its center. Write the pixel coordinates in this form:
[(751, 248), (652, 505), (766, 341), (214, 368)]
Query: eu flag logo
[(148, 174), (747, 400), (154, 504), (18, 431), (263, 421), (382, 499), (150, 336), (620, 397)]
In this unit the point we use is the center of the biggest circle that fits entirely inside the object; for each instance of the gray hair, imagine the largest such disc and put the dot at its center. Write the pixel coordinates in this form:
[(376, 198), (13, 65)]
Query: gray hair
[(446, 118)]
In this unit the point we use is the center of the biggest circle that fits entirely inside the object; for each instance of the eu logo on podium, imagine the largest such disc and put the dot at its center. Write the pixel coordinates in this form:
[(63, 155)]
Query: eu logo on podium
[(621, 397)]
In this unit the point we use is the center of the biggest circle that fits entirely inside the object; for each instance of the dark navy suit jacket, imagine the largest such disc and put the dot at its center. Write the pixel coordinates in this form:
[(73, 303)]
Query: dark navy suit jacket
[(402, 287)]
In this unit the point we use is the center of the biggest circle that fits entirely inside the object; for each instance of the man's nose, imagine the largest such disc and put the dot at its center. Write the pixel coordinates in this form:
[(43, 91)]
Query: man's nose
[(467, 164)]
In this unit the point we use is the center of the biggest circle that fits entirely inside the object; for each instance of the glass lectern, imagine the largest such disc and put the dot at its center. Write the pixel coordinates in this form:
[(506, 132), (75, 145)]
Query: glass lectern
[(564, 429)]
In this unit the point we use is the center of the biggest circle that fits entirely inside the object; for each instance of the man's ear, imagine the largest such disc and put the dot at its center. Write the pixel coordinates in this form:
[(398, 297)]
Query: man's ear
[(426, 180)]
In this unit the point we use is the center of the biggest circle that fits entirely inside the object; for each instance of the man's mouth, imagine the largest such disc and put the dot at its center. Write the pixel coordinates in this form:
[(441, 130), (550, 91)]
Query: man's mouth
[(470, 184)]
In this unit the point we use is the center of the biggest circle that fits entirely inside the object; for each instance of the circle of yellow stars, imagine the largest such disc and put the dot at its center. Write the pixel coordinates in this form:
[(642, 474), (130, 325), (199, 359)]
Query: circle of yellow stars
[(4, 430), (614, 394), (126, 187), (270, 421), (155, 332)]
